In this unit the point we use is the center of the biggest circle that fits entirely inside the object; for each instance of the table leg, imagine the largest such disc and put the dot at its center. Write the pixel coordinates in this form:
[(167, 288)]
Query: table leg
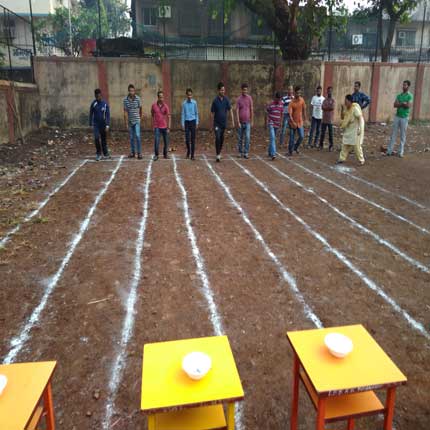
[(321, 414), (389, 408), (49, 407), (151, 422), (295, 401), (230, 416)]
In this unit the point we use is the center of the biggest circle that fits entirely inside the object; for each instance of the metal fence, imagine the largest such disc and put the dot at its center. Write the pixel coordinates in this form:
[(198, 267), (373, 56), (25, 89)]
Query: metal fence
[(17, 47)]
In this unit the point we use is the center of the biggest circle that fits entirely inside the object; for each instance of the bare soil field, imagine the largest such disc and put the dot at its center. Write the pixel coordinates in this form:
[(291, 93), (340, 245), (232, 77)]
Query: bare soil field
[(99, 258)]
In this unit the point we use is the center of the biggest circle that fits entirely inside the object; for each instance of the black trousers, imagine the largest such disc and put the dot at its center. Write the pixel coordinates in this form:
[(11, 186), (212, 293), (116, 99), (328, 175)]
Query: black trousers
[(219, 139), (190, 137), (100, 134), (330, 135)]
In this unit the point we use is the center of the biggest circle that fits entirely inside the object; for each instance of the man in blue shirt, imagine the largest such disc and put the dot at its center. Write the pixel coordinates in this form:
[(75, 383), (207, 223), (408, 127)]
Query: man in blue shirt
[(100, 120), (190, 122), (359, 97), (220, 106)]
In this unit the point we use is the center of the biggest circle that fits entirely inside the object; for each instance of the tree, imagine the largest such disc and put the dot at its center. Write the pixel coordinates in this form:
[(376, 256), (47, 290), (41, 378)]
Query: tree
[(396, 11), (295, 23), (55, 30)]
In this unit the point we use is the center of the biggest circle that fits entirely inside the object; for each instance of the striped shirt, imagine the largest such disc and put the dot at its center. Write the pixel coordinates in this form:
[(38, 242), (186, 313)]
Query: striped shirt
[(285, 102), (274, 113), (132, 107)]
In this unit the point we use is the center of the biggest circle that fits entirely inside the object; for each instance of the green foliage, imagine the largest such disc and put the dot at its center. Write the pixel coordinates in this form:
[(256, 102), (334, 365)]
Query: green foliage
[(54, 30)]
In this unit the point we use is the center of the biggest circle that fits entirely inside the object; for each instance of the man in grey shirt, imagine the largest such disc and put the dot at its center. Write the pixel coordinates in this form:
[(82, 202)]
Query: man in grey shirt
[(132, 118)]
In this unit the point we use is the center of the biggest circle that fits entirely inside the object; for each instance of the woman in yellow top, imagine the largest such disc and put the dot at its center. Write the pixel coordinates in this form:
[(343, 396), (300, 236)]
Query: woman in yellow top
[(353, 130)]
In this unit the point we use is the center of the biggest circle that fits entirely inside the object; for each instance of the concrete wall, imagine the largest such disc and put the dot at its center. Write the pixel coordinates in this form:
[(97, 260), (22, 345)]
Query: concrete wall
[(66, 85), (20, 103)]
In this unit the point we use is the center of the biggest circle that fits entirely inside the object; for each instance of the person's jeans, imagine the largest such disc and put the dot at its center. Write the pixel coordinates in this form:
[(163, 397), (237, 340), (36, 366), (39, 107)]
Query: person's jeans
[(190, 137), (244, 134), (294, 146), (272, 143), (134, 132), (315, 127), (324, 126), (100, 134), (284, 129), (219, 139), (158, 132), (401, 123)]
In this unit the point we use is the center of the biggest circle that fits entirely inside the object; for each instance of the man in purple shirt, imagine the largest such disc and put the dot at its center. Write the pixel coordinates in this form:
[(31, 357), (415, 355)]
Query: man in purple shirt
[(245, 120)]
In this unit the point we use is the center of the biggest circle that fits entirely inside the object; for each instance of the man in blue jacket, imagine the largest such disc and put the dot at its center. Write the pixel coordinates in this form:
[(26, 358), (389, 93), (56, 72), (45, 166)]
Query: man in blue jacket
[(100, 120)]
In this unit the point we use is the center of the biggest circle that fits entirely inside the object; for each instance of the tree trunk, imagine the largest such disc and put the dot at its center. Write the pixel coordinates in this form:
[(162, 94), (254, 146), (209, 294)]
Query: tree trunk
[(386, 49)]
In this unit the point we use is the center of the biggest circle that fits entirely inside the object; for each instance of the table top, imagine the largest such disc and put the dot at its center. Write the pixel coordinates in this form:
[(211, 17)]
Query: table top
[(366, 368), (25, 386), (165, 386)]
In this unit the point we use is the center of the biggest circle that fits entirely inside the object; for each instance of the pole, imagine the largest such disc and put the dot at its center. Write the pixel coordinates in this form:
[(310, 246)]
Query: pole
[(378, 29), (422, 30), (164, 37), (223, 30), (70, 28), (32, 28), (8, 43), (330, 31)]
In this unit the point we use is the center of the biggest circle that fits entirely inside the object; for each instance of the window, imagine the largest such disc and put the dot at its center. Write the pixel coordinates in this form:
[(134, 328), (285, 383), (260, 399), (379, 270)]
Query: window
[(149, 16), (405, 38)]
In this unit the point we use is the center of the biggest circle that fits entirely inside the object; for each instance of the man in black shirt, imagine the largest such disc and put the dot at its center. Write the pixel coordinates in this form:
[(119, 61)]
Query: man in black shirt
[(220, 106)]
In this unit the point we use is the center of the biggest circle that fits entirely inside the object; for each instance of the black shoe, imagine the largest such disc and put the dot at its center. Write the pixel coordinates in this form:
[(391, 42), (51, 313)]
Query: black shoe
[(273, 157), (155, 157), (246, 156), (289, 154), (296, 151), (339, 162), (131, 155), (166, 157), (139, 156), (187, 156), (192, 158)]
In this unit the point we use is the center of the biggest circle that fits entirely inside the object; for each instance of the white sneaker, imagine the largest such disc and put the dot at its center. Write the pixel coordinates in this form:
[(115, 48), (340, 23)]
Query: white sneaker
[(218, 158)]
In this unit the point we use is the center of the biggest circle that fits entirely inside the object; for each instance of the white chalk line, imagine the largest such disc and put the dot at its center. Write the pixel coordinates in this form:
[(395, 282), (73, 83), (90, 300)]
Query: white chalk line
[(286, 276), (129, 320), (18, 342), (215, 317), (417, 264), (370, 184), (198, 258), (40, 206), (358, 196), (342, 258)]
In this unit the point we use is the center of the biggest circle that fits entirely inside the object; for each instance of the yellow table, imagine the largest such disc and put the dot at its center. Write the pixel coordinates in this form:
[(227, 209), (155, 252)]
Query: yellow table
[(342, 388), (20, 403), (166, 387)]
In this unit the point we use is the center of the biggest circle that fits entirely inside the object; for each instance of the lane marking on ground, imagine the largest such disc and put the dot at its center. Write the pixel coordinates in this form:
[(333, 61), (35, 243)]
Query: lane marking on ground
[(198, 258), (128, 323), (367, 281), (359, 196), (4, 240), (370, 184), (417, 264), (18, 342), (215, 317), (286, 276)]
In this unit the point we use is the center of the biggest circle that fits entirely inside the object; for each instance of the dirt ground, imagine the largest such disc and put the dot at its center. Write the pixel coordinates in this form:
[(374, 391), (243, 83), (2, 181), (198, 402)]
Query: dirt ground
[(81, 324)]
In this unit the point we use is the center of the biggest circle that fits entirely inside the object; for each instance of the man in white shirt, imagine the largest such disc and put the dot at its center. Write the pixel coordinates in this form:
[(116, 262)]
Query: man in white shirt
[(317, 113)]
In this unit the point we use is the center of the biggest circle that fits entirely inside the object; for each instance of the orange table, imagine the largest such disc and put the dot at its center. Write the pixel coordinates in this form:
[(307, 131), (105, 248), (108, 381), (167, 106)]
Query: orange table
[(342, 388), (20, 403), (166, 387)]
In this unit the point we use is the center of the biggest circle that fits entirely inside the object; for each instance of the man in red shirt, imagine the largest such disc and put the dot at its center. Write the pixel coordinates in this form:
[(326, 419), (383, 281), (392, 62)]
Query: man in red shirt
[(245, 120), (161, 121), (274, 114)]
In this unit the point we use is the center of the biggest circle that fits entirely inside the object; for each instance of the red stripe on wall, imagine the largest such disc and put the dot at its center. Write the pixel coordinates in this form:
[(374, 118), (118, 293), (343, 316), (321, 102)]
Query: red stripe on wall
[(416, 113), (328, 76), (102, 77), (376, 76), (167, 82), (10, 114)]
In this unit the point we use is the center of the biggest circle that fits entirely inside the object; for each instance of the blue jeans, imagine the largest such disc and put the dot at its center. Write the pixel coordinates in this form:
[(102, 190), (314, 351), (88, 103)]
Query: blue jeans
[(244, 134), (315, 126), (272, 145), (295, 146), (284, 129), (134, 132), (158, 132)]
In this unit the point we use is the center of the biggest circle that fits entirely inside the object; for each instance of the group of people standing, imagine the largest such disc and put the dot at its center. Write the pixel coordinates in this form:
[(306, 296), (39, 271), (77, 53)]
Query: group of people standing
[(285, 113)]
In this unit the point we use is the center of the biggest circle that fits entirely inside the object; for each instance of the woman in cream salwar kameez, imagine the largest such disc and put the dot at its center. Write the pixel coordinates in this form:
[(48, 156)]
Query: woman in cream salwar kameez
[(353, 131)]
